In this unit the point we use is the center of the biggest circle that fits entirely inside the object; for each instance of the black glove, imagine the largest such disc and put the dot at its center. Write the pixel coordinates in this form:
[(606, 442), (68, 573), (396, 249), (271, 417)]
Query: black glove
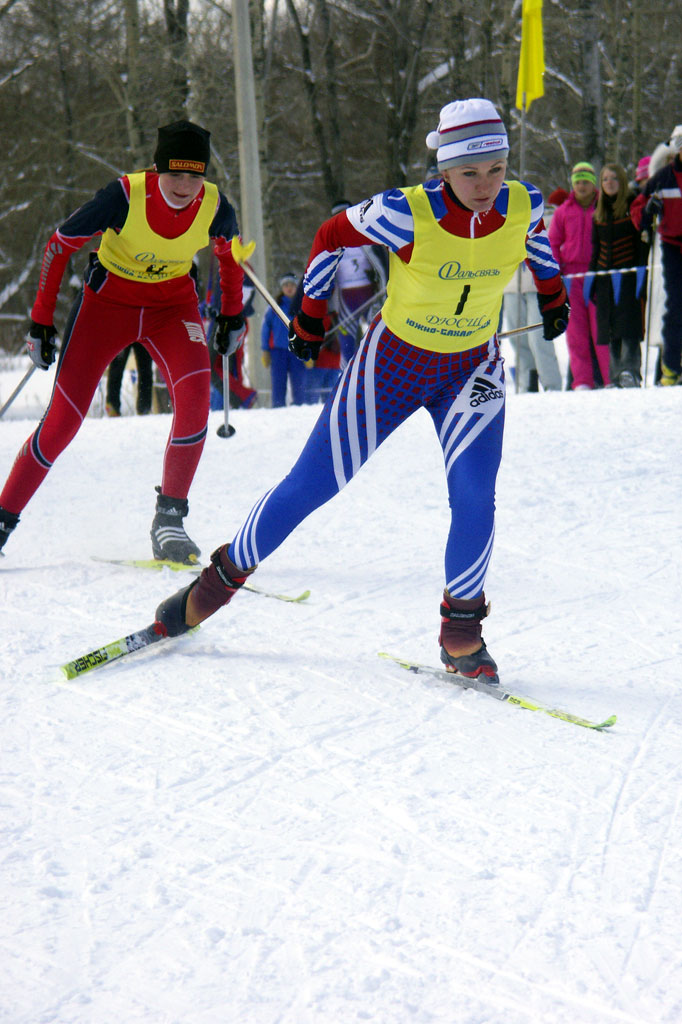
[(654, 208), (306, 335), (41, 343), (229, 333), (554, 314)]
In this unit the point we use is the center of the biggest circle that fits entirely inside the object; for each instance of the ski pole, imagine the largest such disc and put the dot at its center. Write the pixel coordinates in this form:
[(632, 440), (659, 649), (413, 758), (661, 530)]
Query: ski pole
[(226, 429), (378, 297), (650, 292), (240, 254), (520, 330), (18, 388)]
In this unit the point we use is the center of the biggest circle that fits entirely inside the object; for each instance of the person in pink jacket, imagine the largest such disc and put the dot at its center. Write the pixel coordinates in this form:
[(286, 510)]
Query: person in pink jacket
[(570, 235)]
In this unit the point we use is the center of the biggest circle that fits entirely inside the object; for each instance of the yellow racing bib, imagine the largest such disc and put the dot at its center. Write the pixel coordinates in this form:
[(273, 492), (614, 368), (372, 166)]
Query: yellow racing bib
[(449, 296), (139, 254)]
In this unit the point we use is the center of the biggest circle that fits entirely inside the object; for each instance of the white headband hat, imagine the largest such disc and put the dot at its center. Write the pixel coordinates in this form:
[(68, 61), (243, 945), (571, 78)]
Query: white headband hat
[(469, 131)]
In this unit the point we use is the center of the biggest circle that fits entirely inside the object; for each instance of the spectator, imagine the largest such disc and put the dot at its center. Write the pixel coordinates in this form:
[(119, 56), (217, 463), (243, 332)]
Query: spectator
[(557, 197), (167, 215), (642, 173), (284, 366), (536, 361), (570, 235), (663, 198), (241, 394), (143, 360), (361, 275), (321, 374), (616, 244)]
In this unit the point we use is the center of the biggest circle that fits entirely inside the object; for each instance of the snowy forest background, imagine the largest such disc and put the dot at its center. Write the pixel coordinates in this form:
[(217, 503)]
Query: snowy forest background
[(346, 93)]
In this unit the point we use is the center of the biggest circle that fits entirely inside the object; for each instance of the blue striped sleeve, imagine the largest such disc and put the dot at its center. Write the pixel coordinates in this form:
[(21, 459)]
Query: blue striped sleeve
[(537, 205), (385, 219), (540, 258), (319, 276)]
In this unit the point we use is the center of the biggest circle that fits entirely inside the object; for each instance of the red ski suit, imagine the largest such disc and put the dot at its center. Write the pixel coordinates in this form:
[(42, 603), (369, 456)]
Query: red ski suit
[(110, 313)]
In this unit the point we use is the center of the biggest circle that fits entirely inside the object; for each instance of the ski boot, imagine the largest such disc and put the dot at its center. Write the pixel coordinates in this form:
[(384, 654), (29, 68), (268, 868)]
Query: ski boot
[(462, 648), (216, 586), (669, 378), (8, 520), (169, 540), (627, 379)]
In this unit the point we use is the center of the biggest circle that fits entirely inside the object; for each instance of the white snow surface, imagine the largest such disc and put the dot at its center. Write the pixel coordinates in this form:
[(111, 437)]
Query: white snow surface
[(265, 823)]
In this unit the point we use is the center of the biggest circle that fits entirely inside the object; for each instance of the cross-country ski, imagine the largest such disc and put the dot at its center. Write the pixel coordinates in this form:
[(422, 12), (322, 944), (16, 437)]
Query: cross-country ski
[(159, 564), (112, 651), (498, 692)]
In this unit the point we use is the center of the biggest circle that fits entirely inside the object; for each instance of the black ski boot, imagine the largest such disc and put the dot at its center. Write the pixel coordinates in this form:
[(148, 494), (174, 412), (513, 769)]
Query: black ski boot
[(8, 520), (216, 586), (169, 540), (462, 647)]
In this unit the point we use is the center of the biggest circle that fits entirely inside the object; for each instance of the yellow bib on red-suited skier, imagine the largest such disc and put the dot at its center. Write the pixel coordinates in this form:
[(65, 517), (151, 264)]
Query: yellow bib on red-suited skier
[(139, 254), (449, 296)]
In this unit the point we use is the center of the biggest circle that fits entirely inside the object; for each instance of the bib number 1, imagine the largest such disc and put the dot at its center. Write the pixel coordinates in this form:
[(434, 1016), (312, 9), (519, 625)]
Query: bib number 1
[(462, 299)]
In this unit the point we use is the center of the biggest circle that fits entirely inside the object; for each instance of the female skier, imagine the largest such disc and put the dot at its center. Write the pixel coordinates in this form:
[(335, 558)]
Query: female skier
[(138, 287), (454, 243)]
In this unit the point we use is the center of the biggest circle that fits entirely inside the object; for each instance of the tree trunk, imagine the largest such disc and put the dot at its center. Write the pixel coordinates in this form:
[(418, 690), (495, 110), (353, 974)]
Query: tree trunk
[(636, 151), (332, 171), (592, 112), (67, 173), (132, 23), (403, 103), (176, 13)]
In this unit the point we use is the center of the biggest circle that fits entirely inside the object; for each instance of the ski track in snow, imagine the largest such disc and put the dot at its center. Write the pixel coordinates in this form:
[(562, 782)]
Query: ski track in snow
[(265, 823)]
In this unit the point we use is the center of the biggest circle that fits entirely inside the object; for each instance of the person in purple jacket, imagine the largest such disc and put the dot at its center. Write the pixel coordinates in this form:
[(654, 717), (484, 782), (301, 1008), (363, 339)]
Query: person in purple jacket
[(570, 235)]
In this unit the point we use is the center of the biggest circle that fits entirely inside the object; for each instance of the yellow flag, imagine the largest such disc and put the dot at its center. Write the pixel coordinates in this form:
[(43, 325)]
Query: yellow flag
[(532, 61)]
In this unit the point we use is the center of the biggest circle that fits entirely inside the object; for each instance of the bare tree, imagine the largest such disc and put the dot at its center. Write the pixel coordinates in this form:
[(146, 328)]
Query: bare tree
[(133, 94), (592, 110), (321, 94), (346, 92), (176, 13)]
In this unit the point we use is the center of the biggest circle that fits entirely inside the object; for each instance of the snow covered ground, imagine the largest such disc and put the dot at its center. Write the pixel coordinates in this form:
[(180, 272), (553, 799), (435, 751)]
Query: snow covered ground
[(265, 823)]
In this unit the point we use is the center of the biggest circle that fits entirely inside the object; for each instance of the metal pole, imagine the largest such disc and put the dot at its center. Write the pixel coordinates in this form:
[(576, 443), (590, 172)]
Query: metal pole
[(18, 388), (378, 297), (251, 216), (520, 330), (240, 254), (226, 429), (650, 293)]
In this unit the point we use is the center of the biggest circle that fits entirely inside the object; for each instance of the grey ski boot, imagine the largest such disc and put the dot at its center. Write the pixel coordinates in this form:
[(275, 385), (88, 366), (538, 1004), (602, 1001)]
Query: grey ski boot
[(169, 540)]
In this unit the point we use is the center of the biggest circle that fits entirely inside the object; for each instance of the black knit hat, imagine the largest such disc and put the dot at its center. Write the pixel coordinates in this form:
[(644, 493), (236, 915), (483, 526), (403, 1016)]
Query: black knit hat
[(182, 146)]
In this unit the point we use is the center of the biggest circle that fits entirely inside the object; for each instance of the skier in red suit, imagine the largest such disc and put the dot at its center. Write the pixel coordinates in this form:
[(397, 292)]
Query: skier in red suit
[(137, 288)]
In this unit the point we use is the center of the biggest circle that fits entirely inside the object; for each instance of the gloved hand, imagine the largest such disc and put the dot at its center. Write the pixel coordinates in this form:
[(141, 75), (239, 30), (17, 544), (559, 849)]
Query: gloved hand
[(229, 333), (41, 341), (554, 313), (265, 358), (306, 335), (654, 208)]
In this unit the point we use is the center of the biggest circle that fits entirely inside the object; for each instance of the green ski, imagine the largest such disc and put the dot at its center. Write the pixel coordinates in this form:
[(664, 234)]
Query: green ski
[(497, 692), (153, 563), (138, 641)]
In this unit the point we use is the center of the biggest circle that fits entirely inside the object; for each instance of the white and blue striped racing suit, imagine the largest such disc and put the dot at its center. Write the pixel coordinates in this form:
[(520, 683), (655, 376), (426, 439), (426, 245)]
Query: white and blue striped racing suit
[(387, 380)]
